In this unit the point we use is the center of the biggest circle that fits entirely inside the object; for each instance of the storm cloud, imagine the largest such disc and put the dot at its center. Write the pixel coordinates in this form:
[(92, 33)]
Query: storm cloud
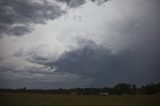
[(79, 43), (103, 67), (73, 3), (17, 16)]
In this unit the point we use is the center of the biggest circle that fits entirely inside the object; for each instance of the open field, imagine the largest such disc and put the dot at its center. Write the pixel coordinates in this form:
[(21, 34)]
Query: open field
[(22, 99)]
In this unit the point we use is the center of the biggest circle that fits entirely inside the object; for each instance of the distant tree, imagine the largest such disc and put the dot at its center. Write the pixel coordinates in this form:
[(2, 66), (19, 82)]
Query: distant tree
[(24, 89), (122, 88), (151, 88), (119, 89), (133, 89)]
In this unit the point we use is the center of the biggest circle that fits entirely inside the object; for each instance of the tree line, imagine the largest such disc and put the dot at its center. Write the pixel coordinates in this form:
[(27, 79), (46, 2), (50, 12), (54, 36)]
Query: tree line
[(119, 89)]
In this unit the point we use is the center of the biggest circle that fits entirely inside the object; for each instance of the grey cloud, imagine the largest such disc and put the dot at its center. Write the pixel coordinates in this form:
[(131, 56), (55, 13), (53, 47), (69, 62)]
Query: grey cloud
[(94, 65), (40, 59), (137, 64), (76, 3), (99, 2), (16, 16), (41, 80), (33, 56), (73, 3), (132, 66)]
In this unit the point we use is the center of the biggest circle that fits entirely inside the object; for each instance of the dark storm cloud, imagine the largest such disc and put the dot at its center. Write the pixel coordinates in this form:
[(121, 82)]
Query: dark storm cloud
[(99, 1), (76, 3), (73, 3), (138, 64), (16, 16), (95, 62)]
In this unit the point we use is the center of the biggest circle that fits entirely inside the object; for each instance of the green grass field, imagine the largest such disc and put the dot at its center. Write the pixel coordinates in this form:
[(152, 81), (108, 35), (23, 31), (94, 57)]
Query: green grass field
[(22, 99)]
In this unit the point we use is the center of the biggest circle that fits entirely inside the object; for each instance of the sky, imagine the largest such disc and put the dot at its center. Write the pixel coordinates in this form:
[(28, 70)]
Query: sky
[(79, 43)]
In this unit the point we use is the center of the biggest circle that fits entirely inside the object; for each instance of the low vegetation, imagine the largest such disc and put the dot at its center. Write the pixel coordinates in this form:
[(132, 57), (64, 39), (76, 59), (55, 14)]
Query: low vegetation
[(24, 99)]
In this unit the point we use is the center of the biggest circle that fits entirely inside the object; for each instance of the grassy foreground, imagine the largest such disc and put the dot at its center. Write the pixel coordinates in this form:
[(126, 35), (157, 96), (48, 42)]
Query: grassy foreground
[(22, 99)]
